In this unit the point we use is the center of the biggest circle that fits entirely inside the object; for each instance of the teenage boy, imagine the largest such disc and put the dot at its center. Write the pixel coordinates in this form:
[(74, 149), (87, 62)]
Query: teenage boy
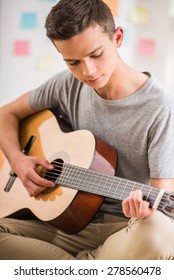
[(128, 109)]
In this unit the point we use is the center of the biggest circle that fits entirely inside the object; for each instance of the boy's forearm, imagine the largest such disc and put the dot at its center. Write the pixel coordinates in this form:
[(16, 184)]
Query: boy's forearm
[(9, 142)]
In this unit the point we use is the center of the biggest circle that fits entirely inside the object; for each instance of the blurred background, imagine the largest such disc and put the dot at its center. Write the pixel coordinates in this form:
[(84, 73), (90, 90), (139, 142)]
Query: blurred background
[(28, 58)]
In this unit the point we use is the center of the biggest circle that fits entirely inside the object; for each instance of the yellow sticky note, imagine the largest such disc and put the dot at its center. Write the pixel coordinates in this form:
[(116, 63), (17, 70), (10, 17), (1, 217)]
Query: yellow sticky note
[(113, 5), (139, 15), (45, 62)]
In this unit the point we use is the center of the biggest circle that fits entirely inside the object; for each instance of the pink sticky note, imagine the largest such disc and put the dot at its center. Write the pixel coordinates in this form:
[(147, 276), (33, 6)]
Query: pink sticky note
[(21, 48), (147, 47)]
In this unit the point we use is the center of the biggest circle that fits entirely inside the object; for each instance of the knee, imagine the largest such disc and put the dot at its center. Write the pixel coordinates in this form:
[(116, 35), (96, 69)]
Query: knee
[(155, 235)]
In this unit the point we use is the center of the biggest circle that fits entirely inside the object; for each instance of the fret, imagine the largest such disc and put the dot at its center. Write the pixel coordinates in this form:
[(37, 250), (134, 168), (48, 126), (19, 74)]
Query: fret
[(149, 192), (121, 196), (116, 188)]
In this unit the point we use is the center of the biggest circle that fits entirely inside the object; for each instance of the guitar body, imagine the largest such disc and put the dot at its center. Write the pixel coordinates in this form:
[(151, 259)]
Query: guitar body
[(68, 209)]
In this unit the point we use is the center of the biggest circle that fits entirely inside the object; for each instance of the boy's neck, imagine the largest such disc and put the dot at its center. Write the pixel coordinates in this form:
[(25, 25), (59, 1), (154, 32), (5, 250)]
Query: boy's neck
[(123, 83)]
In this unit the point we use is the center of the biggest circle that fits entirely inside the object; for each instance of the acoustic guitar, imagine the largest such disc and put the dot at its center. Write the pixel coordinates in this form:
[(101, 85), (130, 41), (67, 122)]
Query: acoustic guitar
[(84, 169)]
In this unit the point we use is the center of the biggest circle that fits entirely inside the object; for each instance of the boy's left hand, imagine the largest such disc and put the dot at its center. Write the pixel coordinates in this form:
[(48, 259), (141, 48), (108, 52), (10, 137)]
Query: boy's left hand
[(135, 206)]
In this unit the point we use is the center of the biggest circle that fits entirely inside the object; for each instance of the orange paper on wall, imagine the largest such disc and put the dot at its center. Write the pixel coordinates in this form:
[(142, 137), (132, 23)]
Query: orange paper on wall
[(113, 5)]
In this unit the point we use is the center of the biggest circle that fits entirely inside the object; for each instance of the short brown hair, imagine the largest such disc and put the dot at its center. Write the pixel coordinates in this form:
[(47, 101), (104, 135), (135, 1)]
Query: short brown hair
[(70, 17)]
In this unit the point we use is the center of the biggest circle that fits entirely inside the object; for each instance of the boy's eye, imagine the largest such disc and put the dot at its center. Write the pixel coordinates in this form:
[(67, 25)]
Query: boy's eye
[(97, 55), (74, 63)]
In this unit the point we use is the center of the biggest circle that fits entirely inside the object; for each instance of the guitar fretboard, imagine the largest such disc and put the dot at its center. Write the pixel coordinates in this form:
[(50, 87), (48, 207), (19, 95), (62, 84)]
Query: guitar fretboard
[(91, 181)]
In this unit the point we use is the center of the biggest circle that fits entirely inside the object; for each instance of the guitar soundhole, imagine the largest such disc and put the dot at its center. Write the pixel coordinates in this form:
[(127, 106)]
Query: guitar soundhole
[(53, 175)]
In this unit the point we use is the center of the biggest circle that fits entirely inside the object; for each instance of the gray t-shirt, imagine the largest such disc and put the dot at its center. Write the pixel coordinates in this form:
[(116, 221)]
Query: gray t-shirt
[(140, 127)]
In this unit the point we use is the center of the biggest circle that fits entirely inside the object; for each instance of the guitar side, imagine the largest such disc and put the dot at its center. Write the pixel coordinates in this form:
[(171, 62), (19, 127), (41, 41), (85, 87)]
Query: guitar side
[(67, 209)]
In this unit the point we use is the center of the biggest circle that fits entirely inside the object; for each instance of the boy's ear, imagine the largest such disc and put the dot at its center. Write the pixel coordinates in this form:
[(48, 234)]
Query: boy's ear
[(119, 34)]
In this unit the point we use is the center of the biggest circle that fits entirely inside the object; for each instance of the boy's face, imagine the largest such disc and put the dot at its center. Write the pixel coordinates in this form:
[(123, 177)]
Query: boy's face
[(91, 55)]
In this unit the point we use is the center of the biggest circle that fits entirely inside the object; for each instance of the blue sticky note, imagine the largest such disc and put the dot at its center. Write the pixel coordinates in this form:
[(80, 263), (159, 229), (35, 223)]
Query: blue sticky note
[(126, 36), (28, 20)]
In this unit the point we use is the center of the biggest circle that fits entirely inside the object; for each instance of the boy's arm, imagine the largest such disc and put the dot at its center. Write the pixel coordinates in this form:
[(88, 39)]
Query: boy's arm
[(24, 166)]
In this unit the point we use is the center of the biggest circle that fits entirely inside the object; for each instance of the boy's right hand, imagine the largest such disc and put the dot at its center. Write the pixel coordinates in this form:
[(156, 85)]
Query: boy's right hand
[(25, 168)]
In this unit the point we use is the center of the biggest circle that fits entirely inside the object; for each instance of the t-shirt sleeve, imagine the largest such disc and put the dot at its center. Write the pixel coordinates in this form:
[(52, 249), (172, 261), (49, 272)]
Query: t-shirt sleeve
[(161, 147), (52, 93)]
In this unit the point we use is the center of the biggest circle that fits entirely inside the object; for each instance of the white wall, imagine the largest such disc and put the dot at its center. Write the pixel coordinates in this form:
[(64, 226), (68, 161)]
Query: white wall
[(160, 29), (22, 73), (157, 25)]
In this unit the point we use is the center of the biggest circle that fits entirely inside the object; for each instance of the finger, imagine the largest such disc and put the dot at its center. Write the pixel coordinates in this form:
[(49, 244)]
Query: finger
[(144, 210), (34, 189), (37, 174), (137, 198), (43, 163), (40, 181), (134, 201), (126, 208)]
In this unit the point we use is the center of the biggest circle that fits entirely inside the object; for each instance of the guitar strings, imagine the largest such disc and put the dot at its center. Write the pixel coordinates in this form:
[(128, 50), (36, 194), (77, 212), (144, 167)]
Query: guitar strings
[(113, 179), (67, 182), (59, 167), (117, 190)]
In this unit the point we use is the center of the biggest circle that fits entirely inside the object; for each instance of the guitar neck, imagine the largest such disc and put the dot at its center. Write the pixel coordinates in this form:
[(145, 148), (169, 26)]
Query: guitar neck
[(98, 183)]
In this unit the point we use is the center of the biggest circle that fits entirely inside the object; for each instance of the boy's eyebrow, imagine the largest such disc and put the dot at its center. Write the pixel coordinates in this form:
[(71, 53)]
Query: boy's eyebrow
[(68, 60)]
